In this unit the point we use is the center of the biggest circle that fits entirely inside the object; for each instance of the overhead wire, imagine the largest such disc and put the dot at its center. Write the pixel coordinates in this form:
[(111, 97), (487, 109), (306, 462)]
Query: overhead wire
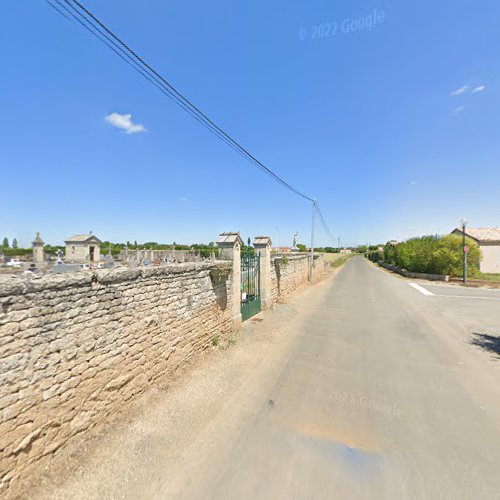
[(105, 35), (75, 11)]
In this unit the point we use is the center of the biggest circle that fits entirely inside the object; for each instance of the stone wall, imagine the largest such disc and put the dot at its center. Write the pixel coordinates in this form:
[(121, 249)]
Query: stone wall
[(73, 347), (409, 274), (288, 273)]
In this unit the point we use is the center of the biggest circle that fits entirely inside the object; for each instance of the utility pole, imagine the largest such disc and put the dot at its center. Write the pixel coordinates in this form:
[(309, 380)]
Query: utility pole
[(338, 244), (465, 250), (311, 264)]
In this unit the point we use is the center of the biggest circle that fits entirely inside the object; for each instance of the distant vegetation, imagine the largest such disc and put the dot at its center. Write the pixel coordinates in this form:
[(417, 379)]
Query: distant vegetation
[(339, 260), (432, 255)]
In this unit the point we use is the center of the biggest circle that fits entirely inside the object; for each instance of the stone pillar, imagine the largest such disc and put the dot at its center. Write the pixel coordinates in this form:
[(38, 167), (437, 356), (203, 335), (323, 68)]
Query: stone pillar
[(38, 255), (263, 245), (230, 249)]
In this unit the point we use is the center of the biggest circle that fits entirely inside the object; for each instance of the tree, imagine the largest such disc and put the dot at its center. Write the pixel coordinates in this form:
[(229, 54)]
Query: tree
[(14, 243), (5, 243), (301, 247)]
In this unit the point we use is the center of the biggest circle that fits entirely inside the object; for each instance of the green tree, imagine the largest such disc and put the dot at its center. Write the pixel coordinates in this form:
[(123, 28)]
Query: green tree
[(433, 255), (301, 247), (450, 256), (5, 243)]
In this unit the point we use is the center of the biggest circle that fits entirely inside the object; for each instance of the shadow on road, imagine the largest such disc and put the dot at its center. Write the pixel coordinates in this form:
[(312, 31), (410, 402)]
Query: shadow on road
[(487, 342)]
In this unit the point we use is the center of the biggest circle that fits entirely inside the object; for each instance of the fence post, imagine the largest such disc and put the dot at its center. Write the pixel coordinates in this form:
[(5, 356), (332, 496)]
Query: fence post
[(230, 249), (262, 245)]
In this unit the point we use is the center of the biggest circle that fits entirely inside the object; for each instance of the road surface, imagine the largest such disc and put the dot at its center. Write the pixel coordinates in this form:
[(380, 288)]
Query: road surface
[(364, 387)]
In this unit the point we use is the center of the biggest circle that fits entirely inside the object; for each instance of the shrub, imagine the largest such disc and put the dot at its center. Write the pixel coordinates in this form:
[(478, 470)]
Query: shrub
[(434, 255)]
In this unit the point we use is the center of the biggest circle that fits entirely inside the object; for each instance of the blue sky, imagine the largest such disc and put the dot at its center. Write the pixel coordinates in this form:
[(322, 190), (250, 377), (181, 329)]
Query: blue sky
[(364, 120)]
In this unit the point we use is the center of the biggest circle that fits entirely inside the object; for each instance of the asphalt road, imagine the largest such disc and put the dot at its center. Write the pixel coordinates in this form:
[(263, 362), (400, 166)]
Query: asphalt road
[(368, 389)]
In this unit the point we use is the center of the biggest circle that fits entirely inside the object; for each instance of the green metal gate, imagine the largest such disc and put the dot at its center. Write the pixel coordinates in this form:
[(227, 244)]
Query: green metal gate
[(250, 283)]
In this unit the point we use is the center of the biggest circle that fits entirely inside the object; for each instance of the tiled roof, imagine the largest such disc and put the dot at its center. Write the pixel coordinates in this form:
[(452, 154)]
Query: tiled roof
[(81, 237), (489, 234)]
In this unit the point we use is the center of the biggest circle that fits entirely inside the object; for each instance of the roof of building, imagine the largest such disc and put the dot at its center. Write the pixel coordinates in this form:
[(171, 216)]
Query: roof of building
[(82, 238), (486, 234)]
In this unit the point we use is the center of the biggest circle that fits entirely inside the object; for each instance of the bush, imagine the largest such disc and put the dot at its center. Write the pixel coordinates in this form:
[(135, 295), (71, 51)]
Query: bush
[(375, 255), (434, 255)]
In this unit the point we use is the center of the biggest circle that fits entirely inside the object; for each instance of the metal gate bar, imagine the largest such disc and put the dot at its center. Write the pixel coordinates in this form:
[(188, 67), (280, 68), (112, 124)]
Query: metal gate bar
[(250, 283)]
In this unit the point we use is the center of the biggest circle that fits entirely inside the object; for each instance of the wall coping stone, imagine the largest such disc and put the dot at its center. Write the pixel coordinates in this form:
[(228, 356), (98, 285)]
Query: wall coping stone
[(21, 285)]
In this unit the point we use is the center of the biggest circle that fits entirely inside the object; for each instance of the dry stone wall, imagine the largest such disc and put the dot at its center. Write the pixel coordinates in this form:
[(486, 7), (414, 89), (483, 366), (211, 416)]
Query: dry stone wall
[(288, 273), (74, 347)]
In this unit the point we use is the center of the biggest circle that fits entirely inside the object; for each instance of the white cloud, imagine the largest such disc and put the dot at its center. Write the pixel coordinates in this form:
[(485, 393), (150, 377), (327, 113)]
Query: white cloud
[(460, 91), (412, 183), (457, 110), (125, 123), (479, 88)]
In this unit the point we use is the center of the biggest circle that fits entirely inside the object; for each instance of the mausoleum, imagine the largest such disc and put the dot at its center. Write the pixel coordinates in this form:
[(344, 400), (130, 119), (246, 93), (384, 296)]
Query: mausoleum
[(83, 248)]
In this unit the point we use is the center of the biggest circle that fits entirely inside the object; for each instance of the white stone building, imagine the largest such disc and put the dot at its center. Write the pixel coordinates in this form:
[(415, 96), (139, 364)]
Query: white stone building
[(83, 248), (488, 239)]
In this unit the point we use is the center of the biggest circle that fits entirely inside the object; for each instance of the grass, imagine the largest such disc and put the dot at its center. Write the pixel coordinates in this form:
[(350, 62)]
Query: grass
[(223, 345), (490, 276), (339, 259)]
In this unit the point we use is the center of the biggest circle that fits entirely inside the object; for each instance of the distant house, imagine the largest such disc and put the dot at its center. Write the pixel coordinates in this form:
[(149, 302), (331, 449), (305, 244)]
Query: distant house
[(282, 249), (488, 239), (83, 248)]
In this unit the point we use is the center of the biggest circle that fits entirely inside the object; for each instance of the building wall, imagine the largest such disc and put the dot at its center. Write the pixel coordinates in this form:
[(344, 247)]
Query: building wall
[(97, 253), (80, 252), (490, 258), (74, 347), (76, 252)]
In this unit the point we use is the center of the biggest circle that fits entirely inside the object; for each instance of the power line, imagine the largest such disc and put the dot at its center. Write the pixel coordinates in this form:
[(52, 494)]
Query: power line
[(124, 56), (90, 22), (74, 11), (323, 223)]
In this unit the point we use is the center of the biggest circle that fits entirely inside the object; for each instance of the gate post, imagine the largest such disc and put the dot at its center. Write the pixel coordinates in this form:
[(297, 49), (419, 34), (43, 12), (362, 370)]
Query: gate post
[(262, 245), (230, 249)]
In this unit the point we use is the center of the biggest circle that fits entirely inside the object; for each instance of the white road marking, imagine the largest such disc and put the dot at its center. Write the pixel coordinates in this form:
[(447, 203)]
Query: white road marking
[(424, 291), (421, 289)]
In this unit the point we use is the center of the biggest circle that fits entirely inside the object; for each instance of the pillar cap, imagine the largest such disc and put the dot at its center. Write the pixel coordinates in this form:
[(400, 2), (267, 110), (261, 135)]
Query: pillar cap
[(229, 239), (37, 242), (262, 241)]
